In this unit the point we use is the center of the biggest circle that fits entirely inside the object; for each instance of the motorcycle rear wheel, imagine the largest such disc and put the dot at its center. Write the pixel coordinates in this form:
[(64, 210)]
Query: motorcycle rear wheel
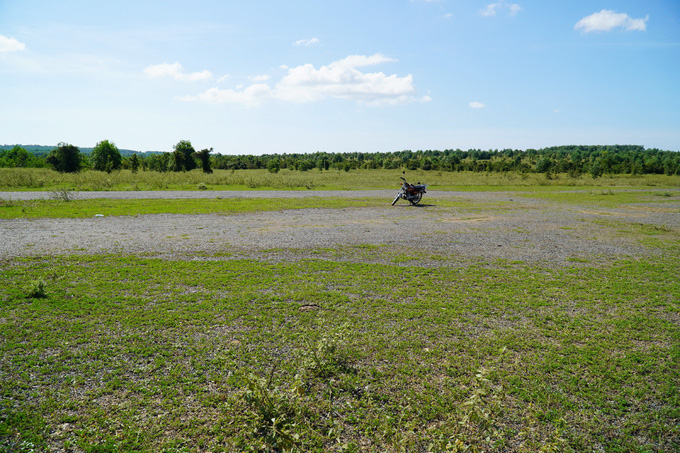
[(416, 198)]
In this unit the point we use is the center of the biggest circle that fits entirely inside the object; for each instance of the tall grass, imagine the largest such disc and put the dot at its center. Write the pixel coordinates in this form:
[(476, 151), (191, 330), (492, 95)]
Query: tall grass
[(46, 179)]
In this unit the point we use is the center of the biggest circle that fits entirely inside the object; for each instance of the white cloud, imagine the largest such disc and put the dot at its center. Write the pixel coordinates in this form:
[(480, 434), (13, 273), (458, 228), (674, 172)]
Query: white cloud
[(260, 78), (342, 80), (175, 71), (607, 20), (514, 9), (338, 80), (492, 8), (250, 96), (477, 105), (306, 42), (10, 44)]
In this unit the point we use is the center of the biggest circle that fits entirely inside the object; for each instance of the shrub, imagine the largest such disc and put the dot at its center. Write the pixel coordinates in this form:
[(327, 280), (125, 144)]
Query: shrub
[(62, 195), (65, 158), (106, 157), (37, 290)]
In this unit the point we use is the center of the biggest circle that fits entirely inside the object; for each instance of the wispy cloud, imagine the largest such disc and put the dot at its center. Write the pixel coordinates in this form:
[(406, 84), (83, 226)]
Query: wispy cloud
[(10, 44), (340, 79), (476, 105), (607, 20), (306, 42), (175, 71), (251, 96), (493, 8)]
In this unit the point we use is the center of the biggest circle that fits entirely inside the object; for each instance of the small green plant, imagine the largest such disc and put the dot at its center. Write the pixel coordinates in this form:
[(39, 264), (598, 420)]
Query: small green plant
[(6, 203), (326, 354), (37, 290), (602, 192), (202, 186), (483, 402), (62, 195), (275, 410)]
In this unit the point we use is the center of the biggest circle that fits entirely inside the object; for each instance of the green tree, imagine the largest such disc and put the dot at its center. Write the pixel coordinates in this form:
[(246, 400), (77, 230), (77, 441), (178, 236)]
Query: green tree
[(183, 156), (544, 165), (158, 162), (134, 163), (178, 161), (65, 158), (16, 157), (106, 157), (274, 166), (204, 156), (596, 169)]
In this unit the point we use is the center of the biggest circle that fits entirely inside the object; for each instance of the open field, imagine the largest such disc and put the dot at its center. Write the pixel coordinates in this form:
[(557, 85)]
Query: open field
[(518, 319), (42, 179)]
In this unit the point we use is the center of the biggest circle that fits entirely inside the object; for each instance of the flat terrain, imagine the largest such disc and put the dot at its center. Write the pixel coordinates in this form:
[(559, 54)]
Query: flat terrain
[(524, 320), (484, 225)]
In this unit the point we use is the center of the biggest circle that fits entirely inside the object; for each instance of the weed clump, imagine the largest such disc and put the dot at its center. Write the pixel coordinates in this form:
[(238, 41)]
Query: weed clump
[(36, 290), (62, 195), (275, 411), (9, 203), (327, 354)]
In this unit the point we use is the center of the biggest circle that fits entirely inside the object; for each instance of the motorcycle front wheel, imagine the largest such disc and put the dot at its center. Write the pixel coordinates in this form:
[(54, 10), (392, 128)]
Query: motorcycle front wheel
[(416, 198), (395, 199)]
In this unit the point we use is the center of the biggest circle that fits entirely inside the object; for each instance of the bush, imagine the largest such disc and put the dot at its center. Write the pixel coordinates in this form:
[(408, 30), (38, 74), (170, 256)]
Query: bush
[(37, 290), (106, 157), (65, 158)]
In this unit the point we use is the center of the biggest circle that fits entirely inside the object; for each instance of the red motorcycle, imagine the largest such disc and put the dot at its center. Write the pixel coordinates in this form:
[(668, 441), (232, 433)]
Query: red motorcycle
[(412, 193)]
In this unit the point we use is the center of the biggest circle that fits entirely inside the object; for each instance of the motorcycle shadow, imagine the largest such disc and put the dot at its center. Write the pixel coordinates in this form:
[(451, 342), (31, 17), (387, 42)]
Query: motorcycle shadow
[(419, 205)]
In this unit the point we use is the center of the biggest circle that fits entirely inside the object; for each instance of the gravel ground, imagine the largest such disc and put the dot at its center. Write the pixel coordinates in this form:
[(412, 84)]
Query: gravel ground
[(504, 225)]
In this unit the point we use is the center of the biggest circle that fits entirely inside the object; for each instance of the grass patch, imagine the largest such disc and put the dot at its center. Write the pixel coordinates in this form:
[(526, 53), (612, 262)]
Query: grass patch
[(107, 207), (43, 179), (142, 354), (600, 198)]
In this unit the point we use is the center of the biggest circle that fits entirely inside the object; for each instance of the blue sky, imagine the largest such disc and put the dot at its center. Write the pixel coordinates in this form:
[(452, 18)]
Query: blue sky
[(257, 77)]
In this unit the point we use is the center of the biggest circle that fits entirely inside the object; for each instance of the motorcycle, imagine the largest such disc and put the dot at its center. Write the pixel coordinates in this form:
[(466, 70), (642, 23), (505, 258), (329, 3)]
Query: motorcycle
[(410, 192)]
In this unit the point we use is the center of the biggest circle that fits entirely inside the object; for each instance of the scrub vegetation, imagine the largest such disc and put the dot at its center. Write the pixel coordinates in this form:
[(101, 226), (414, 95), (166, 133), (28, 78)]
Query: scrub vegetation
[(42, 179)]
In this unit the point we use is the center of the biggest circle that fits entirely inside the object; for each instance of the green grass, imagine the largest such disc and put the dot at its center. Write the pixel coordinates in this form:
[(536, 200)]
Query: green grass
[(41, 179), (222, 204), (108, 207), (350, 350), (139, 354), (604, 198)]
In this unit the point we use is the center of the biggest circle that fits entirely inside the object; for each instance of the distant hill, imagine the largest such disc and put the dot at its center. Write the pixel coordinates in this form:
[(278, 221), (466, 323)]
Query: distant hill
[(40, 150)]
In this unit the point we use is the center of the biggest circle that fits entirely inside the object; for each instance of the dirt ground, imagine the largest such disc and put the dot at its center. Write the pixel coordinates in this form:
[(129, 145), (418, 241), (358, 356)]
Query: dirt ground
[(485, 226)]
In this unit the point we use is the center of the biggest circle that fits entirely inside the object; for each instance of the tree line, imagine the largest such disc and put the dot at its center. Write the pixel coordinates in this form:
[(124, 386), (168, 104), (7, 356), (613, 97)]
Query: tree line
[(573, 160)]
